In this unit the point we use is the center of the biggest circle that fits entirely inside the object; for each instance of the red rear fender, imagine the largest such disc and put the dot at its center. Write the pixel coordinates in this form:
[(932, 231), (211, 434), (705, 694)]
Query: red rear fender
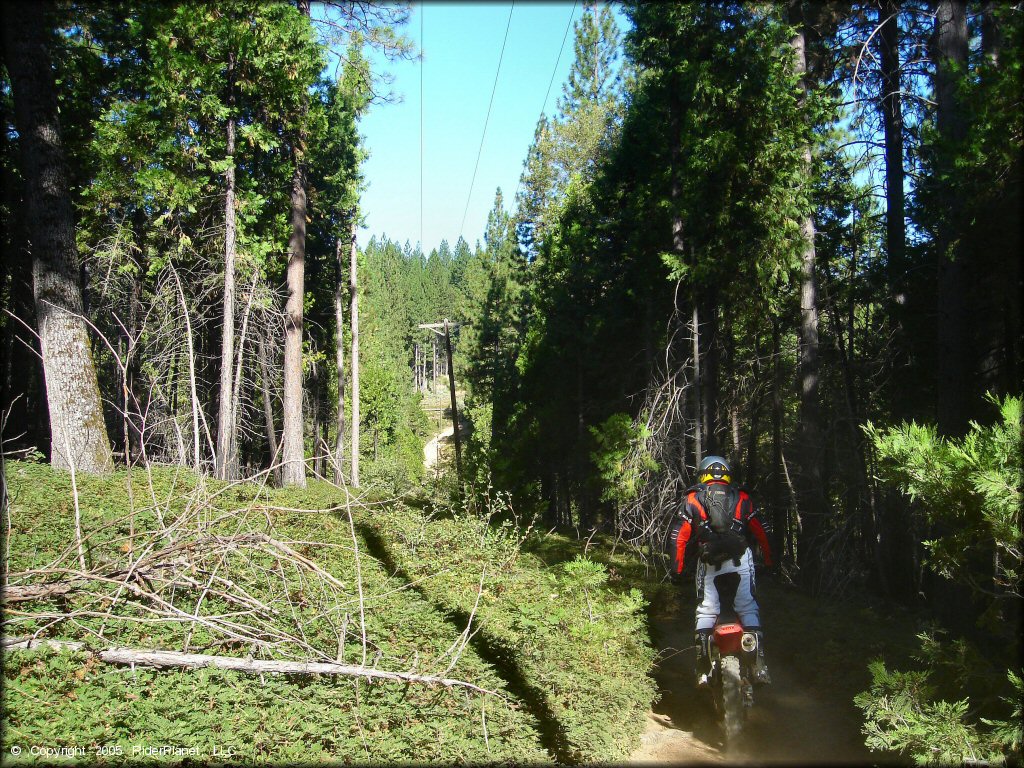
[(727, 638)]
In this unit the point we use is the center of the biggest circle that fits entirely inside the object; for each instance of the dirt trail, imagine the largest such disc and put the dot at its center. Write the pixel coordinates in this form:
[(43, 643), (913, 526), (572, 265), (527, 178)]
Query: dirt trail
[(432, 449), (789, 723)]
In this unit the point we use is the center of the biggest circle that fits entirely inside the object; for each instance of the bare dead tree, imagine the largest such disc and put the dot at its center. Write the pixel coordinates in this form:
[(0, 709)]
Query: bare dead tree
[(227, 436), (657, 459)]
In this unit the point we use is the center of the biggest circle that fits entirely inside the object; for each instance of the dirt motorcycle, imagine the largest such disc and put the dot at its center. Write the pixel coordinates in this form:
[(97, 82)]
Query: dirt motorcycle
[(733, 653)]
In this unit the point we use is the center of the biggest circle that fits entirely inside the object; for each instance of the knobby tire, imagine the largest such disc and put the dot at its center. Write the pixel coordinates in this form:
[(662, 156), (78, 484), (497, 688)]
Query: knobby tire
[(732, 698)]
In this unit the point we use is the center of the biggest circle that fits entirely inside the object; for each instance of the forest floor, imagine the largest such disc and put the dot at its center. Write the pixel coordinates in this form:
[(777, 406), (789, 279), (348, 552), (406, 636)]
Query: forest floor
[(806, 716)]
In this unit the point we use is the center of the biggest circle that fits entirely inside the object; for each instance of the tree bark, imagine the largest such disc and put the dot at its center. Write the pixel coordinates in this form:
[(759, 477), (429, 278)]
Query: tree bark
[(193, 391), (339, 361), (78, 432), (953, 332), (315, 421), (955, 358), (711, 366), (751, 465), (779, 520), (416, 367), (236, 390), (679, 252), (227, 436), (353, 286), (991, 39), (293, 471), (892, 123), (268, 409), (810, 481), (134, 418), (698, 400)]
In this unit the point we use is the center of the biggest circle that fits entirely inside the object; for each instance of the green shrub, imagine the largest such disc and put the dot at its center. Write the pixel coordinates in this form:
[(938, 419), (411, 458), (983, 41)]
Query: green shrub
[(970, 490), (904, 713), (580, 648), (620, 457)]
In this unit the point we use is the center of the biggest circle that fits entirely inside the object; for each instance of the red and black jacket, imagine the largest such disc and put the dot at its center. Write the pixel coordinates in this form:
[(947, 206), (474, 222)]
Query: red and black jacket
[(692, 514)]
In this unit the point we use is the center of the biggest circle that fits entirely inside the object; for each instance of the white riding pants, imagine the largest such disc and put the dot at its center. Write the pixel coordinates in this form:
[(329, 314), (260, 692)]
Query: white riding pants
[(707, 592)]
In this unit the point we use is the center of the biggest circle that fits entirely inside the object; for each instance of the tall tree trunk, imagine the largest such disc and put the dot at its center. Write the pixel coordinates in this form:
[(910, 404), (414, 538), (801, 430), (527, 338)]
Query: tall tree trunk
[(227, 435), (953, 333), (811, 478), (339, 361), (314, 408), (711, 365), (779, 520), (78, 432), (197, 457), (236, 391), (679, 253), (956, 363), (698, 400), (268, 409), (892, 123), (549, 497), (134, 417), (293, 471), (293, 449), (991, 39), (353, 287), (752, 466), (579, 464)]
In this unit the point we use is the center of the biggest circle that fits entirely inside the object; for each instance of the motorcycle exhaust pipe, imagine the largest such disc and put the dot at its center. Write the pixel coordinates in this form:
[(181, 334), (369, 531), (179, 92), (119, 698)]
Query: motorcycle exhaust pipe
[(748, 642)]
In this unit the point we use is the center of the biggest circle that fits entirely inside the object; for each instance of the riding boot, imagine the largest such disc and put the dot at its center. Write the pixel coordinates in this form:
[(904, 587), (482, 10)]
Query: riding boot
[(761, 675), (702, 667)]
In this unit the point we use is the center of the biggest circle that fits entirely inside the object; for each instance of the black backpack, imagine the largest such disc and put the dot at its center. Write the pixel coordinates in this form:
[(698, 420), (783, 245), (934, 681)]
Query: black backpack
[(722, 534)]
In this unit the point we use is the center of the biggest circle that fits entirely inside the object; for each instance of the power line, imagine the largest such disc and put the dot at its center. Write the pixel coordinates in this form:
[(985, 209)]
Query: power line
[(487, 119), (554, 71)]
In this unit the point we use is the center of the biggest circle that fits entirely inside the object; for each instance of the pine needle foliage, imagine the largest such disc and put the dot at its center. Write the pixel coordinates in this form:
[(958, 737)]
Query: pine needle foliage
[(969, 492), (970, 487)]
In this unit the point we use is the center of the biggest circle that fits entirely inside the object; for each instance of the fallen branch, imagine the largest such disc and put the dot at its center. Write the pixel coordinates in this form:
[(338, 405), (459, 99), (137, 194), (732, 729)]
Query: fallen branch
[(142, 657), (22, 593)]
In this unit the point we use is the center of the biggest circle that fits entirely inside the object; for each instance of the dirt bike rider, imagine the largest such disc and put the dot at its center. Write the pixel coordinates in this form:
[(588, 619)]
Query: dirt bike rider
[(722, 520)]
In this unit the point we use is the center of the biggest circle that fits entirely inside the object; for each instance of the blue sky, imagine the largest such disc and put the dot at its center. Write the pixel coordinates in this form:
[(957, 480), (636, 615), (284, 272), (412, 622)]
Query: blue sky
[(462, 42)]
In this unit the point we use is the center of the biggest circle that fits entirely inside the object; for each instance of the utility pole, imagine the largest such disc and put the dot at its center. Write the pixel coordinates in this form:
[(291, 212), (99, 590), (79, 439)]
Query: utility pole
[(455, 407)]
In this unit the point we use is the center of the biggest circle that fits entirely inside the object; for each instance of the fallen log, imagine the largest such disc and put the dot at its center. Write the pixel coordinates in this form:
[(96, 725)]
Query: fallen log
[(143, 657)]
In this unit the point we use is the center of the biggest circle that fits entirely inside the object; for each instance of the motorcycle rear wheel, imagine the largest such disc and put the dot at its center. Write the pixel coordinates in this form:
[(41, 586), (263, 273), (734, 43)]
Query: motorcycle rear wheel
[(734, 713)]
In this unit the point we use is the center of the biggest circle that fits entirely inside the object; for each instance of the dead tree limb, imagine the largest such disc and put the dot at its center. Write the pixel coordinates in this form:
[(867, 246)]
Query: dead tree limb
[(142, 657)]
